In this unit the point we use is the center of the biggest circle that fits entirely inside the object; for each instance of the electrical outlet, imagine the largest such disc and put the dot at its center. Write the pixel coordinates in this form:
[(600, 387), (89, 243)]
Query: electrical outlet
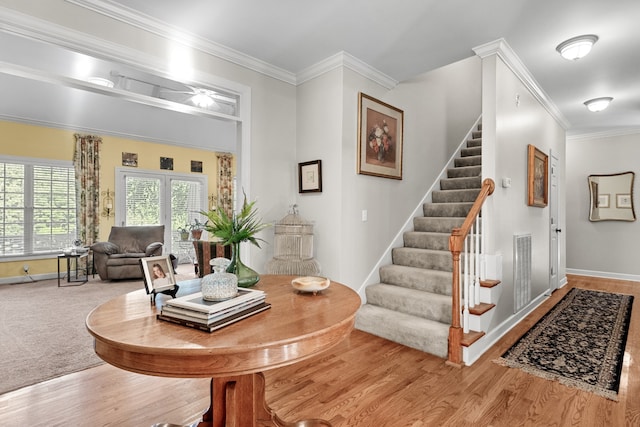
[(26, 268)]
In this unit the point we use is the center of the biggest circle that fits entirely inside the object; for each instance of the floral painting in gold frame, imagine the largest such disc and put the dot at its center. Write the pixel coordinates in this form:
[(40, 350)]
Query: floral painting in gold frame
[(538, 177), (380, 133)]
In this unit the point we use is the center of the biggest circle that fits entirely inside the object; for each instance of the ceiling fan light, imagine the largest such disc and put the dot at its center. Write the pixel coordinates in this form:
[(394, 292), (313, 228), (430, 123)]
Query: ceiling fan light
[(598, 104), (577, 47), (100, 81), (202, 100)]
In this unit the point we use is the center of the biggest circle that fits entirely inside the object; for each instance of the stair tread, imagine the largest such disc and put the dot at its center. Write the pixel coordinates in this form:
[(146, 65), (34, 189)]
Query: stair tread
[(481, 308), (413, 293), (489, 283), (471, 337), (416, 332)]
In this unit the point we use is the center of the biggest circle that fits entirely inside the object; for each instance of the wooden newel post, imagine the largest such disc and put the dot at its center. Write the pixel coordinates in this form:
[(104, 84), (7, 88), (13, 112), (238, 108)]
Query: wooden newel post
[(455, 330)]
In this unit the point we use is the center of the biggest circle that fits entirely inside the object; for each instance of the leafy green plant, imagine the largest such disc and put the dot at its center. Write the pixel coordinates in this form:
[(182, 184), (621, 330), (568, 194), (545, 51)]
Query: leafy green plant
[(197, 225), (240, 227)]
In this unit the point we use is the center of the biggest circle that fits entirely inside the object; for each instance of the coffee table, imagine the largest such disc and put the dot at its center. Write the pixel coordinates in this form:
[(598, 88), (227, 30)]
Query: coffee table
[(296, 327)]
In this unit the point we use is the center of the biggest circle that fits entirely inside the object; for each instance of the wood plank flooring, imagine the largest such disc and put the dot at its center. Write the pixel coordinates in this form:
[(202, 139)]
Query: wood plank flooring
[(365, 381)]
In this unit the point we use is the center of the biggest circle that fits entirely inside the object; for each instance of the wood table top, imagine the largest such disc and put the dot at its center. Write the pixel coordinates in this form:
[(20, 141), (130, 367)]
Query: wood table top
[(297, 326)]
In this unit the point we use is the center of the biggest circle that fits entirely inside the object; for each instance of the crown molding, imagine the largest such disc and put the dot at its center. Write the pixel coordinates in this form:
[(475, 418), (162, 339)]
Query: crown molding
[(345, 60), (611, 133), (502, 49), (144, 22)]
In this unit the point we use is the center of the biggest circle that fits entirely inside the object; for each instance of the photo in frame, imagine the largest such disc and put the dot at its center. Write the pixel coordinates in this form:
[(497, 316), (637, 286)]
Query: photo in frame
[(623, 201), (310, 176), (196, 166), (603, 200), (166, 163), (538, 177), (157, 272), (130, 159), (380, 138)]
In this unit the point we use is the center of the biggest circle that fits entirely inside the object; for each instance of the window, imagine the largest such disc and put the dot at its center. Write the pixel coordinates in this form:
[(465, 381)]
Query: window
[(172, 199), (37, 206)]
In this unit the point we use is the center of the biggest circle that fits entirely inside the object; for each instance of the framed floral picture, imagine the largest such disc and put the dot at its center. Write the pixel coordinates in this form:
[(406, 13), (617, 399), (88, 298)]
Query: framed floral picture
[(538, 177), (380, 138)]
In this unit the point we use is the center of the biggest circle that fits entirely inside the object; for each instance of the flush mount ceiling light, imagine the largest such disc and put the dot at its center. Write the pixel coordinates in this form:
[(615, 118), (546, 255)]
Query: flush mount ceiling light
[(598, 104), (100, 81), (577, 47)]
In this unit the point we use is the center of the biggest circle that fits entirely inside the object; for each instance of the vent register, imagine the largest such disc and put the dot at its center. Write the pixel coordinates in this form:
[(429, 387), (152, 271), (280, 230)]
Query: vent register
[(521, 271)]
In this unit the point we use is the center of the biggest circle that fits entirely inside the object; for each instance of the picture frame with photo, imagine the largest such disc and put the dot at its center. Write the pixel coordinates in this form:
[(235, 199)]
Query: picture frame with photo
[(623, 201), (157, 272), (130, 159), (603, 201), (310, 176)]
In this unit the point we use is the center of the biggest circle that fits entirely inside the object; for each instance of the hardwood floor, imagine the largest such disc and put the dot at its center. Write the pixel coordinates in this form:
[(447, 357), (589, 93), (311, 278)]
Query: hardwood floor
[(365, 381)]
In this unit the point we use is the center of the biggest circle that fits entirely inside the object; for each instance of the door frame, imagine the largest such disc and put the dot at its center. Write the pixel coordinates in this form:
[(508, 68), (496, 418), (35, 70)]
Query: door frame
[(554, 226)]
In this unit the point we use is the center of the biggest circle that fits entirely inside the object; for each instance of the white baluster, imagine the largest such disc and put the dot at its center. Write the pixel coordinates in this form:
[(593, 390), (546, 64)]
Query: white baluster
[(465, 319), (477, 260)]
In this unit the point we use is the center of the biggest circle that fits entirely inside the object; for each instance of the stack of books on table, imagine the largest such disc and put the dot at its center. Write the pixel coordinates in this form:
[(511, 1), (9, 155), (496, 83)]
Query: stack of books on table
[(196, 312)]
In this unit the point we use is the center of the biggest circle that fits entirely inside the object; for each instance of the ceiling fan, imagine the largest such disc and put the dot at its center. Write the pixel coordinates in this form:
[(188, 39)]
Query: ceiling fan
[(207, 99), (203, 98)]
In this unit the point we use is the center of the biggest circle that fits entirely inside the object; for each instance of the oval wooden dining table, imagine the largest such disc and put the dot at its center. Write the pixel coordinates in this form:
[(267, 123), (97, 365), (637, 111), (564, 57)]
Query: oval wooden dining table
[(297, 326)]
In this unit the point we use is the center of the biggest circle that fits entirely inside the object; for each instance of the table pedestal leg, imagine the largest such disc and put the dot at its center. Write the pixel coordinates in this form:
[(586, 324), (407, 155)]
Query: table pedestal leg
[(239, 401)]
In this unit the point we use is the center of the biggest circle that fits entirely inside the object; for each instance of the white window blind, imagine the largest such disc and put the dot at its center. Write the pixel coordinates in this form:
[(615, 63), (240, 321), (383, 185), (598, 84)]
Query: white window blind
[(142, 201), (172, 199), (37, 207)]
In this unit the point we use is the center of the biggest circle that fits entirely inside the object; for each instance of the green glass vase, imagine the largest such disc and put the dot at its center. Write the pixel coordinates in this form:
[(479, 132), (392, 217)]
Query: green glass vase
[(247, 277)]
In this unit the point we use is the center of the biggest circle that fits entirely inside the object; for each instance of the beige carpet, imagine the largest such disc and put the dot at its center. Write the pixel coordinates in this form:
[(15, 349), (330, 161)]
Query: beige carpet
[(42, 328)]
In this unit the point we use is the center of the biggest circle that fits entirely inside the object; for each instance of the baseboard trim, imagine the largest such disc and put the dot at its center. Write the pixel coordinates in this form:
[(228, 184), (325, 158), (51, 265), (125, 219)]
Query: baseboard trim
[(604, 274), (471, 354), (17, 280)]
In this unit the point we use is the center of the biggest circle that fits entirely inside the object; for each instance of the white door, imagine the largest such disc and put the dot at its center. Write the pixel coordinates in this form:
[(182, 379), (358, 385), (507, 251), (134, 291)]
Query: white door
[(172, 199), (554, 227)]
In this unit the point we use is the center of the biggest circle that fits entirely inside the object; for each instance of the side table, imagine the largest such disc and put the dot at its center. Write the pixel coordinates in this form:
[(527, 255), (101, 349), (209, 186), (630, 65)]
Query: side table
[(81, 274)]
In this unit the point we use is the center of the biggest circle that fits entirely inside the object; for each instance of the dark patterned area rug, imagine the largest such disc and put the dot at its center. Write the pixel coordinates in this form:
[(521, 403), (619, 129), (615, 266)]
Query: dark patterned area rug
[(580, 342)]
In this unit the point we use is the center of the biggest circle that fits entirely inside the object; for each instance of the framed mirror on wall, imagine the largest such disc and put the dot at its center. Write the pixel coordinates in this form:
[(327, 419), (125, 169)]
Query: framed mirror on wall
[(611, 197)]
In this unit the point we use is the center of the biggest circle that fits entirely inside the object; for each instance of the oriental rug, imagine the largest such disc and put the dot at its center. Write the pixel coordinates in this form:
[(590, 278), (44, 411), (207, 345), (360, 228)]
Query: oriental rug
[(580, 342)]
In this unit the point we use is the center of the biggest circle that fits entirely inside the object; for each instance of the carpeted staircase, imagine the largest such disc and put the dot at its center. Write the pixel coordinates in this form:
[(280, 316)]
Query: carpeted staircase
[(412, 303)]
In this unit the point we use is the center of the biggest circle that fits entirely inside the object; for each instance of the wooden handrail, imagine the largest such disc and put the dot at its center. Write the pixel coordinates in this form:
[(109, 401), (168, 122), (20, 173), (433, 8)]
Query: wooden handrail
[(456, 243)]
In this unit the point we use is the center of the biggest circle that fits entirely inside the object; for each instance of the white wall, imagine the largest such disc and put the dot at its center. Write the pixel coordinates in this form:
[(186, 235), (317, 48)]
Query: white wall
[(604, 248), (272, 107), (512, 119), (439, 108)]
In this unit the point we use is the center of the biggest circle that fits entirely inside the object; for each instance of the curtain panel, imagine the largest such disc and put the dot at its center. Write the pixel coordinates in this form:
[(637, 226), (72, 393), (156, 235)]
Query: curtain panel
[(225, 183), (86, 161)]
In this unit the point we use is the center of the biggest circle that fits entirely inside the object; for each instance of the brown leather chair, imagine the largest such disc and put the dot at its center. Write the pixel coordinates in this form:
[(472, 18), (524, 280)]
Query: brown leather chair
[(119, 257)]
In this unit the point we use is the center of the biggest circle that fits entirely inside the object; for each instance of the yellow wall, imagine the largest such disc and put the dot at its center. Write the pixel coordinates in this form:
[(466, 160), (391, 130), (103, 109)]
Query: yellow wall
[(17, 139)]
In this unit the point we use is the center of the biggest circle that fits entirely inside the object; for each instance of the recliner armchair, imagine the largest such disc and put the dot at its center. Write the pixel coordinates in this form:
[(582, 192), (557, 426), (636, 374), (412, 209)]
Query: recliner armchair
[(119, 257)]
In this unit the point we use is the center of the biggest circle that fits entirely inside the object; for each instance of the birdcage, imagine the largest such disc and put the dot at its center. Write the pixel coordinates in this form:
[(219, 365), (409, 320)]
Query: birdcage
[(293, 246)]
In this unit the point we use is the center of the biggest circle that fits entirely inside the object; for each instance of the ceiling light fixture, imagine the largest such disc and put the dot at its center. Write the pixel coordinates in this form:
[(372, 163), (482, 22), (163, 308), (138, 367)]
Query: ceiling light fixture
[(202, 99), (598, 104), (577, 47), (100, 81)]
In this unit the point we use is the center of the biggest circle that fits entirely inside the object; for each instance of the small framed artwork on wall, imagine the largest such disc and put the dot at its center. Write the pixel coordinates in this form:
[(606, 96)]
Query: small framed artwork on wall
[(166, 163), (196, 166), (538, 177), (130, 159), (310, 176)]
